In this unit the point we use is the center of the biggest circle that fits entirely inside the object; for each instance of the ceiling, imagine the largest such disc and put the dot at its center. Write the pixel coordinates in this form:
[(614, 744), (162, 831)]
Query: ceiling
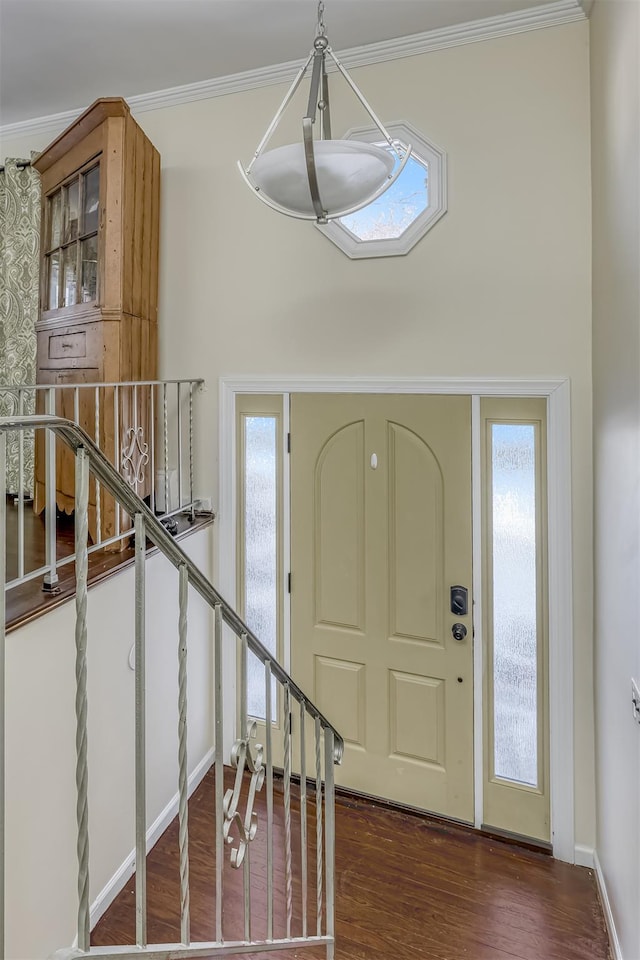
[(60, 55)]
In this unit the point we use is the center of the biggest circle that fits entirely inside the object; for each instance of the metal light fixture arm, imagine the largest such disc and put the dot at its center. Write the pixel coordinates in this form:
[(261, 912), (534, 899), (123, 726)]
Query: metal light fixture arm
[(319, 101)]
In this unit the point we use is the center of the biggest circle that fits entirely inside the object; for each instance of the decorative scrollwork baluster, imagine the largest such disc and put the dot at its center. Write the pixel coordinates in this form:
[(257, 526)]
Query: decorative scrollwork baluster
[(135, 456), (244, 756)]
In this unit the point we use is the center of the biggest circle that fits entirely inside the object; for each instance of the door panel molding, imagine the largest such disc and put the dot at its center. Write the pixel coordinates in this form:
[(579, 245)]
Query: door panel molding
[(558, 392)]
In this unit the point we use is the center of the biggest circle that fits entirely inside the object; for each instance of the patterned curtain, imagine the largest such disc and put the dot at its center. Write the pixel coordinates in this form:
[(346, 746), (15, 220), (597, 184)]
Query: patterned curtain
[(19, 281)]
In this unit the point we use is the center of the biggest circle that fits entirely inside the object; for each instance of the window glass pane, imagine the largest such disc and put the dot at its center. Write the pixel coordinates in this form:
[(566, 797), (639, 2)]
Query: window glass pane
[(260, 550), (71, 200), (91, 201), (54, 280), (70, 275), (389, 216), (514, 603), (55, 220), (89, 269)]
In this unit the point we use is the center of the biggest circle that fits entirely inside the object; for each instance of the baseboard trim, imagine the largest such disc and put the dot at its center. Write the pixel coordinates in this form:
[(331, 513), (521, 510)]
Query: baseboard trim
[(124, 873), (614, 942), (584, 856)]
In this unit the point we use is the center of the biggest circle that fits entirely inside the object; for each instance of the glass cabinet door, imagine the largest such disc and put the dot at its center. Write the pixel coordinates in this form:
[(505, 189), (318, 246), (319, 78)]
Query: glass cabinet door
[(71, 241)]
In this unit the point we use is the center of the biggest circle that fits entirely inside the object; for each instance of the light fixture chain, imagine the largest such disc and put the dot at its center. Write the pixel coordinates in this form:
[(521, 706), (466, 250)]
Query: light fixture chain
[(321, 27)]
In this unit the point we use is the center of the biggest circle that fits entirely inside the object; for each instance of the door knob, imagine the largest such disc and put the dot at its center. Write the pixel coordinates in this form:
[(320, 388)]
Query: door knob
[(459, 631)]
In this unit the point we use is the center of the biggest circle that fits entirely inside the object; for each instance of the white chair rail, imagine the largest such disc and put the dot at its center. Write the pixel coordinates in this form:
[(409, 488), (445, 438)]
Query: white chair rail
[(296, 891)]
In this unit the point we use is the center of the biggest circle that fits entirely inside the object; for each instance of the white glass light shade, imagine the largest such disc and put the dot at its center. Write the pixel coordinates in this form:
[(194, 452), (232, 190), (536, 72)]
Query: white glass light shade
[(349, 174)]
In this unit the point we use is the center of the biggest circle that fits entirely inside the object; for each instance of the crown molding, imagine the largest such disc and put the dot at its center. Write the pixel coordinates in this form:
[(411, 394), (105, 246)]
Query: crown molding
[(534, 18)]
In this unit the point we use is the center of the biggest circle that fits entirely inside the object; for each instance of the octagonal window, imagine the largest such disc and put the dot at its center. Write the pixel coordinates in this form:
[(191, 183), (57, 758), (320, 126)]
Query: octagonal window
[(393, 224)]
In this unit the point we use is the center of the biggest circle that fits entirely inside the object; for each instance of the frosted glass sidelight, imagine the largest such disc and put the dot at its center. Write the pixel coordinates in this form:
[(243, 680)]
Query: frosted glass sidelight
[(515, 634), (260, 550)]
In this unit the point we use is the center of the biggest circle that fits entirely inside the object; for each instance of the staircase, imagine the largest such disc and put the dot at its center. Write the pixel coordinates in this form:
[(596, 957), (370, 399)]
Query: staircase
[(290, 763)]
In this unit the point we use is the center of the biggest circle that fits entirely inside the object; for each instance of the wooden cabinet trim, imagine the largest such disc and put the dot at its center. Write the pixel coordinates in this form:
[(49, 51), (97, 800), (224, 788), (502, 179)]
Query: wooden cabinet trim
[(79, 131), (78, 157)]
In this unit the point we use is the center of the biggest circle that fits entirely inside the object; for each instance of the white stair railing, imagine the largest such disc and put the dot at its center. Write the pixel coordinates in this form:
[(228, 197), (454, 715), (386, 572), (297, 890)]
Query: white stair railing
[(144, 427), (291, 922)]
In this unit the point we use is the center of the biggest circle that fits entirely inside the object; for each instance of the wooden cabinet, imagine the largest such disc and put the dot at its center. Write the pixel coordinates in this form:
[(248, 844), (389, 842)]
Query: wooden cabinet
[(99, 279)]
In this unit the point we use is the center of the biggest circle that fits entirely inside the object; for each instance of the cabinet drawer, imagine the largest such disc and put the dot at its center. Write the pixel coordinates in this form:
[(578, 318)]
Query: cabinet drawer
[(71, 377), (74, 347), (65, 345)]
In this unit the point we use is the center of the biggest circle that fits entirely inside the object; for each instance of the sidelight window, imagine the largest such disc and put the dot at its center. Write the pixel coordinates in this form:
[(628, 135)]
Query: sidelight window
[(516, 751), (259, 436)]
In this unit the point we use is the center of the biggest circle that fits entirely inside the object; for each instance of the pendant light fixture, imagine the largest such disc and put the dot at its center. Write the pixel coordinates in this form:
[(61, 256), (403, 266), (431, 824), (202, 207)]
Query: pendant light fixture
[(322, 179)]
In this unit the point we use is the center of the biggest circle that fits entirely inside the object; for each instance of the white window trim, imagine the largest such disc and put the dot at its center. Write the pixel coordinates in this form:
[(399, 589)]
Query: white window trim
[(436, 161), (557, 391)]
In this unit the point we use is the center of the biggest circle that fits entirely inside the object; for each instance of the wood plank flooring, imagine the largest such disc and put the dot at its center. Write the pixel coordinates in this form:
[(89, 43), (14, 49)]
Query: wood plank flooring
[(407, 888)]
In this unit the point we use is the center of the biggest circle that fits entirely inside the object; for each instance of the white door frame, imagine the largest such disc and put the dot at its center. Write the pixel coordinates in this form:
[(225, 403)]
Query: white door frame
[(557, 392)]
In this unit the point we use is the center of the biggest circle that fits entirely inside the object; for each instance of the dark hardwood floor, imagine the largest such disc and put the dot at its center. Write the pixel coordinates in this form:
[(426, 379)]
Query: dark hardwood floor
[(407, 887)]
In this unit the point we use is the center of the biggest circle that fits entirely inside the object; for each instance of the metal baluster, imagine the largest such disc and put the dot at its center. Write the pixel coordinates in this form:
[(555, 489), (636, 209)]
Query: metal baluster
[(20, 487), (165, 417), (318, 832), (116, 447), (287, 805), (3, 576), (76, 405), (152, 444), (82, 771), (140, 749), (219, 766), (303, 816), (330, 837), (193, 512), (268, 724), (244, 735), (179, 400), (183, 786), (244, 732), (135, 437), (97, 439), (51, 576)]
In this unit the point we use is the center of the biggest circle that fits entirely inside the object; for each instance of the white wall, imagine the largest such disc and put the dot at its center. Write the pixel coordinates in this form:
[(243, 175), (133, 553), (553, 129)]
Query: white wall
[(40, 822), (501, 286), (615, 92)]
